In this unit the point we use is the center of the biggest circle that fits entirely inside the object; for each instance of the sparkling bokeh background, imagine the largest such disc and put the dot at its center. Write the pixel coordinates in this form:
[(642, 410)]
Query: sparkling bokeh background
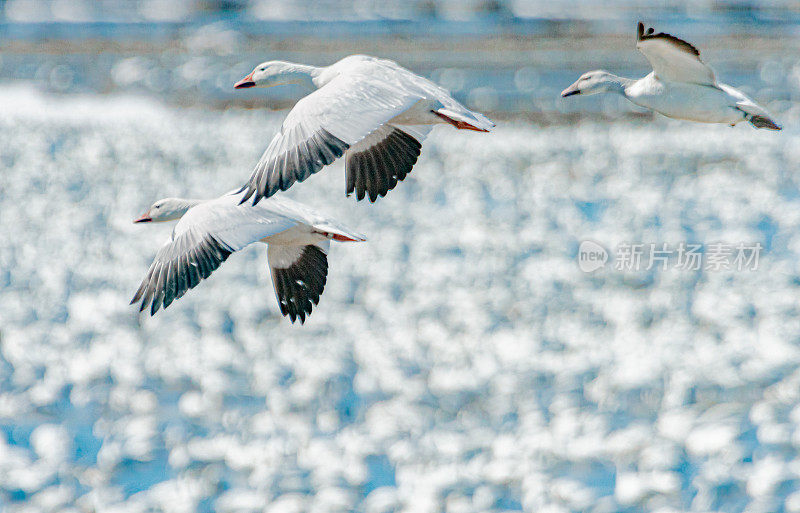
[(458, 361)]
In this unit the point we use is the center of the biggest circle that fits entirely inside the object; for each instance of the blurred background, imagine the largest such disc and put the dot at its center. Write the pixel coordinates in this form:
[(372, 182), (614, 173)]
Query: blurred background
[(509, 57), (459, 361)]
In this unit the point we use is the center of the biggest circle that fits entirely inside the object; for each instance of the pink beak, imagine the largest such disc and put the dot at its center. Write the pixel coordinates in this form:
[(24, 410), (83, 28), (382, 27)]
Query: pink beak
[(245, 82), (145, 218)]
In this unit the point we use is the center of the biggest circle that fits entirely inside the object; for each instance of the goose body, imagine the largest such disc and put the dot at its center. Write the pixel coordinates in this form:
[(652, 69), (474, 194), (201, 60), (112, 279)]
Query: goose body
[(681, 86), (690, 102), (372, 111), (208, 231)]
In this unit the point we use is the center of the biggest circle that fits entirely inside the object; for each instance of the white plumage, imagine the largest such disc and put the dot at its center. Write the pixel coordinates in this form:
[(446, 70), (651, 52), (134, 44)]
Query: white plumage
[(209, 231), (371, 110), (681, 85)]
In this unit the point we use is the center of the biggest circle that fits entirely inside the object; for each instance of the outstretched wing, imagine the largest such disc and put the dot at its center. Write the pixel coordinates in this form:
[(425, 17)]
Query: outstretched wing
[(202, 240), (382, 159), (299, 274), (322, 126), (673, 59)]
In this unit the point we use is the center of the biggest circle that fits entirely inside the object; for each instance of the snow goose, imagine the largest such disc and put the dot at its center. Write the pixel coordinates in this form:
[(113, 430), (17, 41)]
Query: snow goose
[(297, 241), (681, 85), (373, 111)]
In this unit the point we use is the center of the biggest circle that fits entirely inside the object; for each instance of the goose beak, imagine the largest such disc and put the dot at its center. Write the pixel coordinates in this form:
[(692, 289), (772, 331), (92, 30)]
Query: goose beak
[(570, 91), (245, 82), (145, 218)]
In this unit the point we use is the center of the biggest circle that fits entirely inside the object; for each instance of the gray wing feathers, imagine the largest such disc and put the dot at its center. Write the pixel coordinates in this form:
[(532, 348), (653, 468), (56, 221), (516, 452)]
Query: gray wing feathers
[(275, 173), (170, 278)]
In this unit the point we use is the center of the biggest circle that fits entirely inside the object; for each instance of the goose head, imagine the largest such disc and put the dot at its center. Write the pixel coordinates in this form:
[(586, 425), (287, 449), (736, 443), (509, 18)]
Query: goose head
[(166, 209), (592, 82), (273, 73)]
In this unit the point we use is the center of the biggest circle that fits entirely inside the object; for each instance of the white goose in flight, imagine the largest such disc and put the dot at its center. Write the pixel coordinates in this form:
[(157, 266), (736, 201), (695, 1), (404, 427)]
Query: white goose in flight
[(681, 85), (297, 241), (373, 111)]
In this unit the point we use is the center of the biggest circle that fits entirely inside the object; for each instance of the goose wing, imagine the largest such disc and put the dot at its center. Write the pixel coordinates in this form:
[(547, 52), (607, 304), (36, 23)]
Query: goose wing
[(673, 59), (376, 163), (204, 238), (299, 273), (323, 125)]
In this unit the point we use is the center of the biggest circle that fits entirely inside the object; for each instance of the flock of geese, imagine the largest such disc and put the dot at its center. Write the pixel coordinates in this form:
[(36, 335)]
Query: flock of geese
[(376, 114)]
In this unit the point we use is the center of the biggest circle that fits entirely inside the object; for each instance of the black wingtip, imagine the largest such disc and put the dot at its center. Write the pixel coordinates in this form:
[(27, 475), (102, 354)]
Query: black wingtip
[(764, 122), (650, 33), (374, 171), (298, 287), (642, 33)]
